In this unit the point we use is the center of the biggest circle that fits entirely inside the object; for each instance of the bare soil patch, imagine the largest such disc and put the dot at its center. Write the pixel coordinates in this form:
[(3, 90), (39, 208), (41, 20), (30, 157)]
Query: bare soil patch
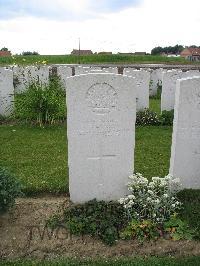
[(23, 235)]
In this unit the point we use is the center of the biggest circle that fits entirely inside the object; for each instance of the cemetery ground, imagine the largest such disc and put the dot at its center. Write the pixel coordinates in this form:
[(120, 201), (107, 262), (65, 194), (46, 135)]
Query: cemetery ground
[(37, 156)]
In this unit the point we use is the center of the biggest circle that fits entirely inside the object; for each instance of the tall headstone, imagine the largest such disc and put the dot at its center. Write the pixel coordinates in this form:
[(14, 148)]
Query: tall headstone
[(64, 72), (185, 151), (101, 135), (169, 79), (155, 80), (6, 91), (142, 79)]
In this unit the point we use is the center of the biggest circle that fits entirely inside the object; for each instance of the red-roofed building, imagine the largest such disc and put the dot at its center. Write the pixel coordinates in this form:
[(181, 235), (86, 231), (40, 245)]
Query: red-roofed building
[(5, 53), (192, 54), (81, 52)]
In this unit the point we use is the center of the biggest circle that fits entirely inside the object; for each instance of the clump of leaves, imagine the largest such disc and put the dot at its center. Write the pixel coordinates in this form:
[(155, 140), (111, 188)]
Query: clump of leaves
[(42, 103), (96, 218), (166, 118), (142, 230), (10, 188), (178, 229), (147, 117)]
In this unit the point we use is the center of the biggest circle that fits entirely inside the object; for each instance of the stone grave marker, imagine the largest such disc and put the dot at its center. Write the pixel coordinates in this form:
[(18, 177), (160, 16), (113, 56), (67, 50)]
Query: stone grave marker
[(169, 79), (6, 91), (185, 151), (142, 79), (64, 72), (101, 135)]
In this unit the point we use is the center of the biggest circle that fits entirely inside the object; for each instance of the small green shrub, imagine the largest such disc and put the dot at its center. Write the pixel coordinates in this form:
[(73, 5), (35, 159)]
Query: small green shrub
[(166, 118), (145, 230), (178, 229), (96, 218), (147, 117), (2, 119), (191, 208), (10, 188), (42, 104)]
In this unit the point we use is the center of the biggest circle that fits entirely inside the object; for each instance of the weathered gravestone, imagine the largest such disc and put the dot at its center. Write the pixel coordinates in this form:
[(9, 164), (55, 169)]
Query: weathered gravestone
[(79, 70), (169, 79), (155, 80), (23, 76), (64, 72), (185, 152), (101, 135), (6, 91), (142, 79)]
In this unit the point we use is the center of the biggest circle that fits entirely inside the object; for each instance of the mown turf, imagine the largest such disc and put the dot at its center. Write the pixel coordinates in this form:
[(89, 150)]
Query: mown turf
[(154, 104), (90, 59), (38, 156), (150, 261)]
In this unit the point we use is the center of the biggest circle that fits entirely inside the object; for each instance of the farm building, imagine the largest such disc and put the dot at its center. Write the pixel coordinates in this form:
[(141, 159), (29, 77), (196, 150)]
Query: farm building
[(192, 54)]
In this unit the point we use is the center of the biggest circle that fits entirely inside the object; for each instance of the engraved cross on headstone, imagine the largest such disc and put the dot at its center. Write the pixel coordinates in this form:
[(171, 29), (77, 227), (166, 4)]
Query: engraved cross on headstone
[(101, 157)]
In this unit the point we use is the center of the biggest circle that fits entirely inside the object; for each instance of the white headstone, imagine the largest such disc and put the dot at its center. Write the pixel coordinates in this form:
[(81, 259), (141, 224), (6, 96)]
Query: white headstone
[(79, 70), (169, 86), (42, 74), (101, 135), (6, 91), (113, 70), (185, 152), (64, 72), (142, 79), (23, 76), (169, 79), (155, 80)]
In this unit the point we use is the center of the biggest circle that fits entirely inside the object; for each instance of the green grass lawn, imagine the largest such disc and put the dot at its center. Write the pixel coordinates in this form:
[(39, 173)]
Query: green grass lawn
[(91, 59), (154, 104), (152, 261), (38, 156)]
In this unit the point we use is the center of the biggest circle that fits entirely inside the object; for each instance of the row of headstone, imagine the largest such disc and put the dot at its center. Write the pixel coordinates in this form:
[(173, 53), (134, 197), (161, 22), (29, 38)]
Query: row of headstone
[(147, 80), (101, 135)]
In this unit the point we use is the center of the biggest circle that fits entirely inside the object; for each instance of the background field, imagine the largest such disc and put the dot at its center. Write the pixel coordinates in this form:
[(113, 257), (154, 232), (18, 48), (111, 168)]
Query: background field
[(88, 59)]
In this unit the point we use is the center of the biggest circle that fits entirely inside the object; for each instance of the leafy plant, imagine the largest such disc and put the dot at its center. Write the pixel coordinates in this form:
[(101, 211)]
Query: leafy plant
[(147, 117), (10, 188), (191, 209), (166, 118), (178, 229), (41, 103), (145, 230), (96, 218)]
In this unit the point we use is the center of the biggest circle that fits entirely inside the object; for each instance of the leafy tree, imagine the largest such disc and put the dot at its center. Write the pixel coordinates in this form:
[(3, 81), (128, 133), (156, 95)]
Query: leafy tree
[(30, 53), (4, 49), (167, 50)]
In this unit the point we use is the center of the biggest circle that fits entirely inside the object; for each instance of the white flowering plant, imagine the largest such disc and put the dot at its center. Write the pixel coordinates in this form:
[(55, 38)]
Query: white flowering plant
[(153, 200)]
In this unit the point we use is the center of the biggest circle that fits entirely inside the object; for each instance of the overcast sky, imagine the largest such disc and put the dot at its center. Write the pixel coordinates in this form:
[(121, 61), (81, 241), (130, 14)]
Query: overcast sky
[(54, 26)]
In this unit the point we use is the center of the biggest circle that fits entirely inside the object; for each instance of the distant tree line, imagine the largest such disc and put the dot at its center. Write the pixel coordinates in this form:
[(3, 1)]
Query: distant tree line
[(167, 50), (177, 49), (30, 53)]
